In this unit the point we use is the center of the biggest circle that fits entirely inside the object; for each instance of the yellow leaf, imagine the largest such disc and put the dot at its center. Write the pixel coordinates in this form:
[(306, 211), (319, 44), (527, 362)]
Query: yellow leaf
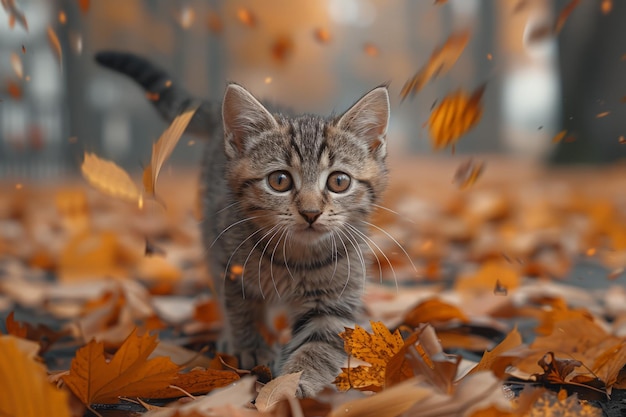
[(109, 178), (163, 148), (26, 391), (490, 275), (440, 62), (93, 379), (454, 116)]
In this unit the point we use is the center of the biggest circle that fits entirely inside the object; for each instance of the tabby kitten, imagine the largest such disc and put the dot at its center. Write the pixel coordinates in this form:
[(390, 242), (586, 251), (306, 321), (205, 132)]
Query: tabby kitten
[(287, 201)]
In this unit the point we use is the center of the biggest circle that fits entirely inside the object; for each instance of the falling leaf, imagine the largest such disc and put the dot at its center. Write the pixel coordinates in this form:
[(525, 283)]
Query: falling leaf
[(277, 390), (559, 136), (164, 147), (83, 5), (16, 64), (322, 35), (62, 17), (282, 48), (371, 49), (14, 90), (564, 14), (94, 379), (441, 61), (621, 140), (489, 57), (246, 17), (14, 14), (603, 114), (186, 17), (109, 178), (468, 173), (606, 6), (454, 116), (26, 391), (53, 40)]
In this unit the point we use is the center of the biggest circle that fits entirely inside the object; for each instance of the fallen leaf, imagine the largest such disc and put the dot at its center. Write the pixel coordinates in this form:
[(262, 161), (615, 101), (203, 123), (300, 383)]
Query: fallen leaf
[(15, 328), (26, 391), (496, 360), (278, 389), (129, 373), (53, 40), (440, 62), (489, 274), (109, 178), (431, 311), (454, 116), (196, 381), (164, 147)]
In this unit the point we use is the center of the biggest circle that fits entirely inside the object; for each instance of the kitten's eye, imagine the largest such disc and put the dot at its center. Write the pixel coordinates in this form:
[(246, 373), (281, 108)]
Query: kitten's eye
[(280, 181), (338, 182)]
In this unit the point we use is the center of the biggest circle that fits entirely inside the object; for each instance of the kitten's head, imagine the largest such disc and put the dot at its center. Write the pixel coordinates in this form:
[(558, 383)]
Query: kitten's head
[(306, 175)]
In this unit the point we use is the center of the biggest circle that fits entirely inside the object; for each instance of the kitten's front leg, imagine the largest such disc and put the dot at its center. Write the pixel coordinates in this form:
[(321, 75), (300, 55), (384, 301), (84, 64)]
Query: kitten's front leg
[(244, 316), (316, 348)]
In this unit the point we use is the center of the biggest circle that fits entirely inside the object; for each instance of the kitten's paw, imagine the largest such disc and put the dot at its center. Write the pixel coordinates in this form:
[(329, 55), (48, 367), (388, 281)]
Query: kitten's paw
[(249, 358)]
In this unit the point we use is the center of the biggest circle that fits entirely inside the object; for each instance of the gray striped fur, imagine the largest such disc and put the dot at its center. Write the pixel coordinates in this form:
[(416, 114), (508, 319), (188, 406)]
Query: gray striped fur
[(317, 269)]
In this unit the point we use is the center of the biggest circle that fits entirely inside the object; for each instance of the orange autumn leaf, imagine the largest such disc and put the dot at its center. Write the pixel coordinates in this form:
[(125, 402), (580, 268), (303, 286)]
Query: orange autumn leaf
[(282, 48), (246, 17), (15, 15), (14, 90), (454, 116), (109, 178), (433, 310), (564, 15), (129, 373), (490, 274), (196, 381), (322, 35), (55, 44), (214, 23), (207, 312), (164, 147), (376, 348), (495, 360), (559, 136), (468, 173), (83, 5), (441, 61), (371, 49), (15, 328), (16, 64), (26, 391)]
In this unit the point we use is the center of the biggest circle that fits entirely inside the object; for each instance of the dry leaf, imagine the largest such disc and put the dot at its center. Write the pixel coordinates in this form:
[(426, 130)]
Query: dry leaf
[(15, 328), (129, 373), (486, 278), (26, 391), (496, 360), (376, 348), (454, 116), (196, 381), (433, 310), (441, 61), (278, 389), (468, 173), (14, 14), (110, 179), (53, 40), (16, 64), (164, 147)]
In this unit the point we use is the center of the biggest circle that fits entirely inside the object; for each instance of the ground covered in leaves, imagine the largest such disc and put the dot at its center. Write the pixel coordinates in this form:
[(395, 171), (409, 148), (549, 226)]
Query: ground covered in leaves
[(501, 299)]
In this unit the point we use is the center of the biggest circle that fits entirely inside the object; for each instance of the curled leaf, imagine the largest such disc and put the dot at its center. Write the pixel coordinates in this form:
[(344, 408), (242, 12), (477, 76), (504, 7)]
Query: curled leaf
[(109, 178), (278, 389)]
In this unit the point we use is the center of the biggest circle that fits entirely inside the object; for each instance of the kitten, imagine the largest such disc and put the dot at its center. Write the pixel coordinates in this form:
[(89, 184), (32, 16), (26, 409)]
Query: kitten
[(287, 200)]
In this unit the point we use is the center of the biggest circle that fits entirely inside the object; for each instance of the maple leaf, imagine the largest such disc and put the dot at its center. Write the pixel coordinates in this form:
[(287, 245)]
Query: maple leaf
[(26, 391), (376, 348), (129, 373)]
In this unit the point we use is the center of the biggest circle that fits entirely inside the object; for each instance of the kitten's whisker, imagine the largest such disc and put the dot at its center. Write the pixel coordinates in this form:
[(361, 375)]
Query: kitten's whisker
[(365, 239), (227, 207), (272, 260), (403, 217), (243, 272), (285, 256), (261, 262), (231, 226), (348, 265), (396, 242), (335, 252), (359, 254), (236, 249)]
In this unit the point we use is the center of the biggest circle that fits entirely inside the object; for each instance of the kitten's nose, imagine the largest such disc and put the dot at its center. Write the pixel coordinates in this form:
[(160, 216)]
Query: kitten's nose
[(310, 215)]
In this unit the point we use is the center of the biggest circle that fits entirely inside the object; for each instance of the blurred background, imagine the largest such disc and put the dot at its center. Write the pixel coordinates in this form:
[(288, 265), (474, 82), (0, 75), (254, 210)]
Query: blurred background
[(312, 56)]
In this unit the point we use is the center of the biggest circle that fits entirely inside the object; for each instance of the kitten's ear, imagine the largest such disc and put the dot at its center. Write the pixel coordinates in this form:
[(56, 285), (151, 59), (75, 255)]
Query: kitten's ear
[(368, 119), (244, 117)]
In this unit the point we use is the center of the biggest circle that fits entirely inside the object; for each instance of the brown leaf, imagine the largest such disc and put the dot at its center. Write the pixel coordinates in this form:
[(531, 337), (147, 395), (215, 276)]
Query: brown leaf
[(433, 310), (15, 328), (282, 48), (496, 360), (129, 373), (196, 381), (278, 389), (164, 147), (26, 391), (468, 173), (246, 17), (214, 23), (83, 5), (564, 14), (14, 90), (110, 179), (322, 35), (53, 40), (440, 62)]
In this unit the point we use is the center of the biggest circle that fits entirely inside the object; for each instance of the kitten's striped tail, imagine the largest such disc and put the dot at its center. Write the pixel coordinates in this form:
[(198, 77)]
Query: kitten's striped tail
[(166, 95)]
